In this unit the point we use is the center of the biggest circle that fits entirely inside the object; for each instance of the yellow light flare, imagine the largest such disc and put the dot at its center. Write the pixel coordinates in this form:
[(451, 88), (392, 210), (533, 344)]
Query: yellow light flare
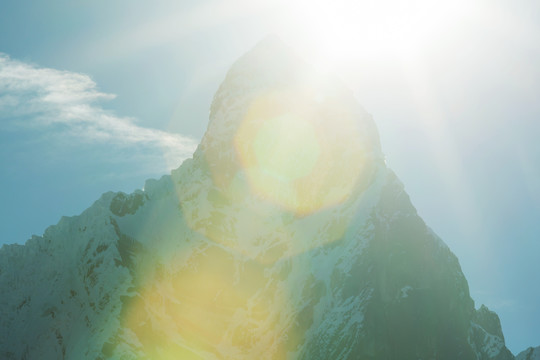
[(211, 309), (297, 152), (295, 142), (301, 153)]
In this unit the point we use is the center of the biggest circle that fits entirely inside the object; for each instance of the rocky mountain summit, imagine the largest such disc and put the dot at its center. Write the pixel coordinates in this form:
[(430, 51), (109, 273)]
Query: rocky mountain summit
[(284, 237), (529, 354)]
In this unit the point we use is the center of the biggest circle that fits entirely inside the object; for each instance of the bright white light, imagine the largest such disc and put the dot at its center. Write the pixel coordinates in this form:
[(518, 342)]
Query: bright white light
[(337, 32)]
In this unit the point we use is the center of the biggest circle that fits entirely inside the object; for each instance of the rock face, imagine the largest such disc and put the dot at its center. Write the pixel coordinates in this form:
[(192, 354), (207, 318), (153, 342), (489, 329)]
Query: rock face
[(284, 237), (529, 354)]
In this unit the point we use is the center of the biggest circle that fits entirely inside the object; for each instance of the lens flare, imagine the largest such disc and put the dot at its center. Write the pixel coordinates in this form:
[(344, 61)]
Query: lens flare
[(299, 154), (210, 307), (289, 151)]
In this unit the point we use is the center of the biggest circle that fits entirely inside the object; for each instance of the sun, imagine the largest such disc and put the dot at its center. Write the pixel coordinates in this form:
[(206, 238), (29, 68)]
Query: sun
[(338, 32)]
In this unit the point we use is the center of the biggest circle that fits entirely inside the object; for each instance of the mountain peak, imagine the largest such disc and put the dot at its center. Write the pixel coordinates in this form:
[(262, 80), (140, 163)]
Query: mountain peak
[(529, 354), (270, 42), (272, 102), (269, 64)]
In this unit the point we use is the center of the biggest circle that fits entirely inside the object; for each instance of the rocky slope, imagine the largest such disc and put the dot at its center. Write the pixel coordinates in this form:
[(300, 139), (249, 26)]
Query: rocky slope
[(284, 237), (529, 354)]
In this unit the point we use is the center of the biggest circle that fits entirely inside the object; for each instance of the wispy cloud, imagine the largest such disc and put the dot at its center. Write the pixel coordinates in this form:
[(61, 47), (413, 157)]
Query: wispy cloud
[(67, 104)]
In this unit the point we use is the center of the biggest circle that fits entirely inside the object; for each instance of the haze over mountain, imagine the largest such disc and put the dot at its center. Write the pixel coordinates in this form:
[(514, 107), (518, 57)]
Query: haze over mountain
[(285, 236)]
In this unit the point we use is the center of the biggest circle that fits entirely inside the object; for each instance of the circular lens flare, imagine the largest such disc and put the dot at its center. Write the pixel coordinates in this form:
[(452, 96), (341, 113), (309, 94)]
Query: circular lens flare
[(303, 155)]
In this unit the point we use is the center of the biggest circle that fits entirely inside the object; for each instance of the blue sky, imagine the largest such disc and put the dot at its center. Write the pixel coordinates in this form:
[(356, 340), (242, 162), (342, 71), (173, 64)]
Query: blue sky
[(100, 95)]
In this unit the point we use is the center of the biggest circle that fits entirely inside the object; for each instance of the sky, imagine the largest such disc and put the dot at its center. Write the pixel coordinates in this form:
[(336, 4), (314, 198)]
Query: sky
[(99, 96)]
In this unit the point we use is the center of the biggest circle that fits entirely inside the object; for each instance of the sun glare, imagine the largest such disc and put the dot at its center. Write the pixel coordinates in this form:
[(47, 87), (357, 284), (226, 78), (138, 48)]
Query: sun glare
[(340, 32), (286, 149)]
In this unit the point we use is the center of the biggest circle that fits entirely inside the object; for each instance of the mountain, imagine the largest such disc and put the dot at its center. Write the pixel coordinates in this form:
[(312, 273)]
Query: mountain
[(284, 237), (529, 354)]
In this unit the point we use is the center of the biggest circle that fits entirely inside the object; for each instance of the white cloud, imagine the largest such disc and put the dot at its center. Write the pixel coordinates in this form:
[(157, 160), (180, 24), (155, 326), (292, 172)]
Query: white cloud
[(66, 104)]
